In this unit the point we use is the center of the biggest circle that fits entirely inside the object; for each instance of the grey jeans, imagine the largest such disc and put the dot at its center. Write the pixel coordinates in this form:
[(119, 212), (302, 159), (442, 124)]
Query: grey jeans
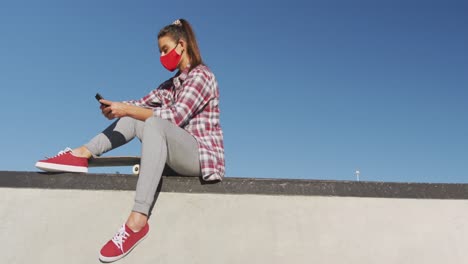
[(162, 142)]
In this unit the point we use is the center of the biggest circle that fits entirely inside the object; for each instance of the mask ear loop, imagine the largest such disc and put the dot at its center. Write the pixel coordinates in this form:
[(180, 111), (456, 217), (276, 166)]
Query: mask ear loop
[(178, 45)]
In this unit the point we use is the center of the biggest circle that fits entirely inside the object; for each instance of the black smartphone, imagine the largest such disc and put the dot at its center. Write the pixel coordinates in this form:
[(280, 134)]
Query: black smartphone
[(99, 97)]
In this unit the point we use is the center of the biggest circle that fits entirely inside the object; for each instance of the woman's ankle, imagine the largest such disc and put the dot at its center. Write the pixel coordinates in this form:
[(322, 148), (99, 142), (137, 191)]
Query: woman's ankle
[(82, 152), (136, 221)]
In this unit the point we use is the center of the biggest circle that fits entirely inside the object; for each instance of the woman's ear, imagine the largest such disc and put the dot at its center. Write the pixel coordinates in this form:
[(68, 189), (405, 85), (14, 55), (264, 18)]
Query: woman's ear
[(183, 44)]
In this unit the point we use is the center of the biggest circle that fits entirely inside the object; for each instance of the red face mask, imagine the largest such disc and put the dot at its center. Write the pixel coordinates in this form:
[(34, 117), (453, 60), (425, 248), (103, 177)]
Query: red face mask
[(171, 59)]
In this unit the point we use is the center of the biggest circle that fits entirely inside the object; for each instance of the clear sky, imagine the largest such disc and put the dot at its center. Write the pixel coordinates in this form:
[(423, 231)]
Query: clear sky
[(309, 89)]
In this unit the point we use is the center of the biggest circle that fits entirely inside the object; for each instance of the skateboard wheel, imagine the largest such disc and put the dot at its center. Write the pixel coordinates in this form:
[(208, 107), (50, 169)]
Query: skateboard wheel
[(136, 169)]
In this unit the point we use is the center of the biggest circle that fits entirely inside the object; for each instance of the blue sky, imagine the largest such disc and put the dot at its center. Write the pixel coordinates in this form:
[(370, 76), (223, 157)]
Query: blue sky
[(309, 89)]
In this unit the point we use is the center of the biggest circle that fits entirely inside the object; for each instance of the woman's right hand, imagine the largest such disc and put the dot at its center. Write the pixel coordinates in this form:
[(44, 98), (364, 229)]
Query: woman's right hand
[(107, 111)]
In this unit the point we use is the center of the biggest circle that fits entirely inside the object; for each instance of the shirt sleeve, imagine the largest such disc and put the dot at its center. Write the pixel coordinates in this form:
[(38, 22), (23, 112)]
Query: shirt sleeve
[(141, 102), (195, 94)]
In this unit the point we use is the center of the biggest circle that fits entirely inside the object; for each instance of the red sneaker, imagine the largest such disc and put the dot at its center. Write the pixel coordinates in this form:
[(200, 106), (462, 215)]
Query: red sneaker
[(64, 161), (122, 243)]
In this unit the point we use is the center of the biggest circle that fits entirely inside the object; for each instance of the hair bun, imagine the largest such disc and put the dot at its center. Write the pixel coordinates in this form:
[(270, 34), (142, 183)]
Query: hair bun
[(177, 23)]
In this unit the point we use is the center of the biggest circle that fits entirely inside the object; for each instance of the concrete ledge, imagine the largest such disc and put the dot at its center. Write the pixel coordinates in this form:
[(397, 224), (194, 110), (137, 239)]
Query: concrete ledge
[(66, 218), (230, 185)]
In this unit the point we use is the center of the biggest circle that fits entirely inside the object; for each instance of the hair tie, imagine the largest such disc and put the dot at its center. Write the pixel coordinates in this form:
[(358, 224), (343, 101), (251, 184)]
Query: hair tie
[(177, 23)]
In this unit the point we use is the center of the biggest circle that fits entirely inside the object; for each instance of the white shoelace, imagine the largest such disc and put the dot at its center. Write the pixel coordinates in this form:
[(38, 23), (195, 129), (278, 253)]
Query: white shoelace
[(120, 237), (66, 150)]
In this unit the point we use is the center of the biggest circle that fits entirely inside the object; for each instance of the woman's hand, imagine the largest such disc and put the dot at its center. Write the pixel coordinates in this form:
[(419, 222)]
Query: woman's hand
[(113, 110)]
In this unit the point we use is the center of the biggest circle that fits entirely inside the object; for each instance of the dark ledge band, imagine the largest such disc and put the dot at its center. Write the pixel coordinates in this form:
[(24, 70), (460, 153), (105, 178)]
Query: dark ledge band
[(231, 185)]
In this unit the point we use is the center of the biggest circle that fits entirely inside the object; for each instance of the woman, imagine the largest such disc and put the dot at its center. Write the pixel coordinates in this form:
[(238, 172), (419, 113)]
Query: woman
[(177, 123)]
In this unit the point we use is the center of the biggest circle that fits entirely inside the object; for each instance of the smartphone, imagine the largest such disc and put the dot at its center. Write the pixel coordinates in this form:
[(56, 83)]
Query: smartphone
[(99, 97)]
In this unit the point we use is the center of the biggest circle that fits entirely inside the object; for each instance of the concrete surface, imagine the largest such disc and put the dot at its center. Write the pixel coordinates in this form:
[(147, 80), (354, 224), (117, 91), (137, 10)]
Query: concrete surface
[(70, 226)]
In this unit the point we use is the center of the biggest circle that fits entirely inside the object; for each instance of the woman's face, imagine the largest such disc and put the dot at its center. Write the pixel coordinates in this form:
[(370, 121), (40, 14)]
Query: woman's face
[(166, 44)]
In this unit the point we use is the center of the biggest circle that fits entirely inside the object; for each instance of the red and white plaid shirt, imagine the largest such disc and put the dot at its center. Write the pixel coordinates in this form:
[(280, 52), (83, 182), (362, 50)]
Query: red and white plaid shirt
[(191, 101)]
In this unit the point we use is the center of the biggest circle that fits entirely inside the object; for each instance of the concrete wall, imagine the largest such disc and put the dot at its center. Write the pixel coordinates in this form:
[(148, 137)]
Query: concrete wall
[(70, 226)]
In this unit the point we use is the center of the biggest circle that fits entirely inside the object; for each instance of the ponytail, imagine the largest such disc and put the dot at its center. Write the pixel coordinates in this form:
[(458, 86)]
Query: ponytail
[(181, 29)]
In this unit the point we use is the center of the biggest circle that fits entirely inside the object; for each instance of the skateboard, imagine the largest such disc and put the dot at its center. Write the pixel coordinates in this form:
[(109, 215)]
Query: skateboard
[(134, 161), (113, 161)]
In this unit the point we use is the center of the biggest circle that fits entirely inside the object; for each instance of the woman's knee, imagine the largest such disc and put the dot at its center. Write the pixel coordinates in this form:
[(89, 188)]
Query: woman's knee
[(126, 119), (156, 124), (153, 121)]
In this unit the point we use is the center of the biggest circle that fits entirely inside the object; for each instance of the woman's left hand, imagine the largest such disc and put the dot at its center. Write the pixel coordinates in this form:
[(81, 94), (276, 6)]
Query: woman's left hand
[(114, 109)]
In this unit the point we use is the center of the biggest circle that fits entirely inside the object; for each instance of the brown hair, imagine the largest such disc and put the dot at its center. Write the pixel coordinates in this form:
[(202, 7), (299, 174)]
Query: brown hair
[(181, 29)]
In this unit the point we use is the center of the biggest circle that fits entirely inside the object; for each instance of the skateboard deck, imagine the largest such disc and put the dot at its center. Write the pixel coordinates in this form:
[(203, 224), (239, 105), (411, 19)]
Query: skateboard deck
[(112, 161), (134, 161)]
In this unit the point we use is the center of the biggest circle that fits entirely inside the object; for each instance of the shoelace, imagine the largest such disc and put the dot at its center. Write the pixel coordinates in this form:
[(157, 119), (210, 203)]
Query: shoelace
[(65, 151), (120, 237)]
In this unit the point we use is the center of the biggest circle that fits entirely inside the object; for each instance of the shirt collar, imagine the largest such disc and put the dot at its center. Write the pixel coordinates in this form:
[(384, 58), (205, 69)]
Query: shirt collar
[(180, 77)]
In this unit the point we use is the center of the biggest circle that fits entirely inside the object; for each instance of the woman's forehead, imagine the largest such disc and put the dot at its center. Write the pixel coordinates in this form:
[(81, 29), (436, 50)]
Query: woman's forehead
[(165, 40)]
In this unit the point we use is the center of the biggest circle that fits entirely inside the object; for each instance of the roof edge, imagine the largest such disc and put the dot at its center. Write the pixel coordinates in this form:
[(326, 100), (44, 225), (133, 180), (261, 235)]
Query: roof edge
[(232, 185)]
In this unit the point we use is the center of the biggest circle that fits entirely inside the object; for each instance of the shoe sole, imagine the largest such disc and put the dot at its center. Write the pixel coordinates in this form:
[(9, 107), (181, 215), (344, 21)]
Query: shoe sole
[(52, 167), (112, 259)]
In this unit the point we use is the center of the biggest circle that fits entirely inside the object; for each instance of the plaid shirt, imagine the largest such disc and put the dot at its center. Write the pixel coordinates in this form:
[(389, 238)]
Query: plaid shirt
[(191, 101)]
